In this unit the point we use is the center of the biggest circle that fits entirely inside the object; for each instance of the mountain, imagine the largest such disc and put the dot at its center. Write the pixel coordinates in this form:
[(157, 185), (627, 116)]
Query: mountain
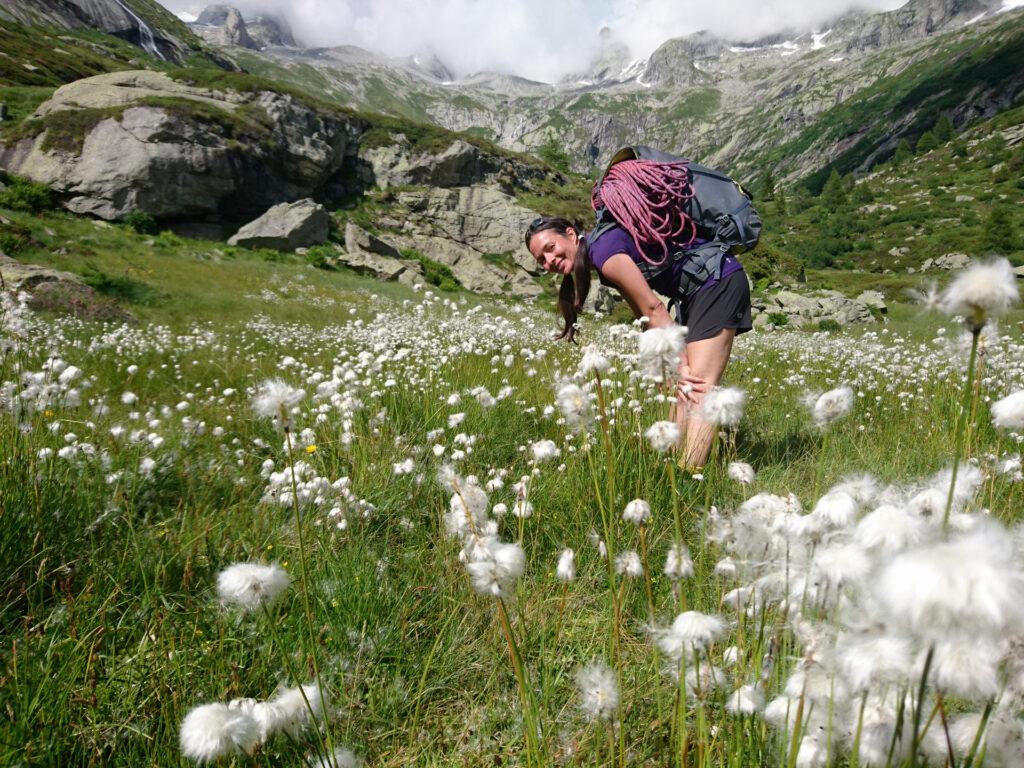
[(144, 23), (800, 101)]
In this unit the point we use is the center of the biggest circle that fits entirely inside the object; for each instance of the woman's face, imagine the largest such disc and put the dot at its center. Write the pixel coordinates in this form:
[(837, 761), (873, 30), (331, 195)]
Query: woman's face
[(555, 252)]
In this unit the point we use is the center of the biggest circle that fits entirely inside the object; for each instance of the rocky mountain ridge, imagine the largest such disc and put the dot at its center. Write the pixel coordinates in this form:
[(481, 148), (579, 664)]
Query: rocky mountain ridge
[(730, 103)]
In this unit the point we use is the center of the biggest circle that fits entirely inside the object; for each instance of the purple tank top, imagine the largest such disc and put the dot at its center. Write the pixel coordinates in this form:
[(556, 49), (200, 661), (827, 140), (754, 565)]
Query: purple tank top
[(617, 240)]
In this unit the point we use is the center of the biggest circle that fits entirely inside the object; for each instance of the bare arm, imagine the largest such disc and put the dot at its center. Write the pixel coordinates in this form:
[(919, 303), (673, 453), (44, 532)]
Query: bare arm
[(644, 302), (627, 277)]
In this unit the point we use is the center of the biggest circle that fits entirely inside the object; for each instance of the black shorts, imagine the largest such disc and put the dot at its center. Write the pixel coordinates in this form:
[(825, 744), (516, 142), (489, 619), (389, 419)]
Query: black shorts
[(724, 305)]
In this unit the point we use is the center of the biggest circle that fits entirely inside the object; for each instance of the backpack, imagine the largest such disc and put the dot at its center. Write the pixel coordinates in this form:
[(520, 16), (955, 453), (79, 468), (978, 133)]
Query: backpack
[(721, 210)]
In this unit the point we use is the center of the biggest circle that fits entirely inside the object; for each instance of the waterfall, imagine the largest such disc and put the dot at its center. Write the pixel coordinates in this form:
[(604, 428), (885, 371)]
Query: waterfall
[(146, 40)]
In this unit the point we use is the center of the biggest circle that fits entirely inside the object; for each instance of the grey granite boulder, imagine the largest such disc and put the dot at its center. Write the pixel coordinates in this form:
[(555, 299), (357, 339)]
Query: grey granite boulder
[(285, 227)]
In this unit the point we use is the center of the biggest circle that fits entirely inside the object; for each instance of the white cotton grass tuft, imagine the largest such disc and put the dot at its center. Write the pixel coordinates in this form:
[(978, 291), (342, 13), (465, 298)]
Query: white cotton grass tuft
[(663, 436), (969, 478), (966, 666), (984, 289), (544, 450), (724, 406), (274, 400), (293, 707), (467, 508), (212, 731), (867, 660), (972, 583), (628, 564), (593, 361), (746, 700), (341, 758), (741, 472), (1008, 413), (599, 693), (252, 585), (890, 529), (832, 406), (836, 509), (637, 512), (678, 563), (660, 350), (690, 631), (496, 567), (574, 404), (566, 570)]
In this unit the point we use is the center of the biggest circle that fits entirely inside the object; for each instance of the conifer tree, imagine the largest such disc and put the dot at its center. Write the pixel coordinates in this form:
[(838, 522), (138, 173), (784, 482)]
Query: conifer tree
[(944, 129), (959, 148), (999, 231), (551, 152), (927, 143), (780, 201), (766, 189), (833, 194), (903, 153), (862, 193)]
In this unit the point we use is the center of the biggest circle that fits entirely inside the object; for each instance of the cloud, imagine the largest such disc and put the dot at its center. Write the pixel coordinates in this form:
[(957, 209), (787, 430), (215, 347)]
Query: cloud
[(537, 39)]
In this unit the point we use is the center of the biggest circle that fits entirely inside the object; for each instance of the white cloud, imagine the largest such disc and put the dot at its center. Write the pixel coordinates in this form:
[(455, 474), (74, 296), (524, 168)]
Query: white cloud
[(537, 39)]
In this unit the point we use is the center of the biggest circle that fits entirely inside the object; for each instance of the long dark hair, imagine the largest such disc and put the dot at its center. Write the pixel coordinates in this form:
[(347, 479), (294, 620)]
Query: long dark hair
[(575, 286)]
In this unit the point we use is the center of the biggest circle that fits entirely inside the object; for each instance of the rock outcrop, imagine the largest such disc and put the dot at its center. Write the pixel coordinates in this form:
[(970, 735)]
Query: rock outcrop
[(18, 276), (483, 218), (946, 261), (459, 164), (285, 227), (800, 310), (193, 152), (367, 253), (53, 290)]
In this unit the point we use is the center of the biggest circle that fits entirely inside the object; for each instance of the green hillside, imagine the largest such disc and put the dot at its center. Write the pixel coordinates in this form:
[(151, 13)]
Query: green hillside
[(962, 196)]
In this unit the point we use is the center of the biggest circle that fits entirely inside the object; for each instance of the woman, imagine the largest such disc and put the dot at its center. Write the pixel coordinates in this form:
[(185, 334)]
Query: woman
[(714, 310)]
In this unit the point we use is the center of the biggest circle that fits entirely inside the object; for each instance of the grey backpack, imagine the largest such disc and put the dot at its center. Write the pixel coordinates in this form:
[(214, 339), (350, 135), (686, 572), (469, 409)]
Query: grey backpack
[(721, 210)]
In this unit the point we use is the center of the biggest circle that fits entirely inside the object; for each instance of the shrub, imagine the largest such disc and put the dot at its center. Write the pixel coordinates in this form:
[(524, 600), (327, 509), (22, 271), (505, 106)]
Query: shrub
[(14, 238), (435, 273), (119, 287), (829, 325), (24, 195), (320, 256), (141, 222), (778, 319)]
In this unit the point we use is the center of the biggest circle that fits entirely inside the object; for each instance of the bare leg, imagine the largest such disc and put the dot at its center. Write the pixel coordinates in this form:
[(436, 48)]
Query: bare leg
[(706, 358)]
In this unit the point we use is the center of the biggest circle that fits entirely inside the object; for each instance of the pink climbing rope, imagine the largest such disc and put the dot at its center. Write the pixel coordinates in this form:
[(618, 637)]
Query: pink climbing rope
[(647, 199)]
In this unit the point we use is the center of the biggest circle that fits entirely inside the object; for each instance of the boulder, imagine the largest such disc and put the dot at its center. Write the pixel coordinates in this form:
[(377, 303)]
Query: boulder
[(184, 161), (794, 304), (873, 300), (952, 261), (964, 198), (367, 253), (358, 239), (803, 310), (601, 299), (1019, 272), (285, 227)]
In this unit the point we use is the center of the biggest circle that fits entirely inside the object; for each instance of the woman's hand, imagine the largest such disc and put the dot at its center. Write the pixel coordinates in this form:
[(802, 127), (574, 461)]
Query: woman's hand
[(690, 388)]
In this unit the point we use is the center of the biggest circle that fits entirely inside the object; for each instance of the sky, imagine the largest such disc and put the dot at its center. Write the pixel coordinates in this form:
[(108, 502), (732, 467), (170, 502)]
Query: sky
[(541, 40)]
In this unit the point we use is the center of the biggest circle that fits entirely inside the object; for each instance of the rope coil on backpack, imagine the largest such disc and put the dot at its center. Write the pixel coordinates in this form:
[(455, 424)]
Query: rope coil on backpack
[(647, 199)]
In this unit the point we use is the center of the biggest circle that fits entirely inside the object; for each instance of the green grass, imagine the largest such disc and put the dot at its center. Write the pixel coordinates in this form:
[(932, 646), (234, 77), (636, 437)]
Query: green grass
[(22, 100), (112, 629)]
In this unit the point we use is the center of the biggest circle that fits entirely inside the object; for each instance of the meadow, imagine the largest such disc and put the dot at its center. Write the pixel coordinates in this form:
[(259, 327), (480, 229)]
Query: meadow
[(410, 469)]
